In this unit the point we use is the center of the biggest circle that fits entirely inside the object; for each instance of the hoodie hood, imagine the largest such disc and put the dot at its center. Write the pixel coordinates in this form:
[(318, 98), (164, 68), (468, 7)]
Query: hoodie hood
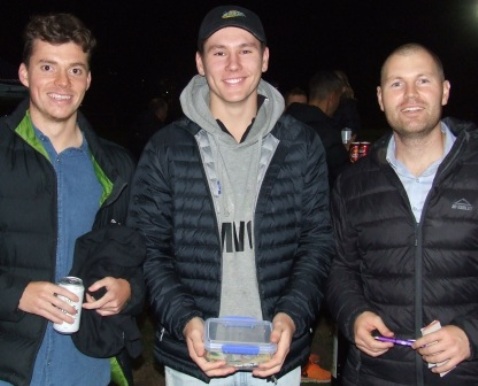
[(195, 105)]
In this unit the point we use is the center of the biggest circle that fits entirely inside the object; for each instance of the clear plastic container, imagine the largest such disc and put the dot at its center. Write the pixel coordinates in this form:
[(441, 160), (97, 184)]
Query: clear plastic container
[(242, 342)]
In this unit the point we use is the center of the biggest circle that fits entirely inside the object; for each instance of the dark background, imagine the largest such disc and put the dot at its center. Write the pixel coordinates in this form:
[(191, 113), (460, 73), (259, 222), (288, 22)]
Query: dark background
[(146, 48)]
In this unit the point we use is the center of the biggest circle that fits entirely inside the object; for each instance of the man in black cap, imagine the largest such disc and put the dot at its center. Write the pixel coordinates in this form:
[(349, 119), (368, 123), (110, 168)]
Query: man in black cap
[(233, 203)]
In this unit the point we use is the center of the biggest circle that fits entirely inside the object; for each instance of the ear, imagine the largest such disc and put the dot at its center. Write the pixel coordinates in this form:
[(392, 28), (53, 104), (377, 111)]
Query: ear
[(265, 59), (446, 92), (199, 64), (379, 97), (88, 80), (23, 75)]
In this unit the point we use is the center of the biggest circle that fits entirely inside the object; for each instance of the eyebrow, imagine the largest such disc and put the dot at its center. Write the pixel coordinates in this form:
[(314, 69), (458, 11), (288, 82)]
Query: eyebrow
[(75, 64), (428, 74), (242, 45)]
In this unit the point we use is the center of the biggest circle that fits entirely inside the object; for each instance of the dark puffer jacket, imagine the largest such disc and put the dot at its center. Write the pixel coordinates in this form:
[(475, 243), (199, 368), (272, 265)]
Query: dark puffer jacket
[(173, 208), (28, 229), (406, 273)]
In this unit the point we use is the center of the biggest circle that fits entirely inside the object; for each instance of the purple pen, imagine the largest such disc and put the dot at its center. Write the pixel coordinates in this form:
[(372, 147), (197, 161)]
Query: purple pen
[(401, 342)]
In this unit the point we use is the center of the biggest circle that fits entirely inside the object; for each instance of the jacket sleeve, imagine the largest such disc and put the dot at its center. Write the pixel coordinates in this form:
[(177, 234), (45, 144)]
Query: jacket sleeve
[(345, 296), (151, 212), (11, 290), (305, 291)]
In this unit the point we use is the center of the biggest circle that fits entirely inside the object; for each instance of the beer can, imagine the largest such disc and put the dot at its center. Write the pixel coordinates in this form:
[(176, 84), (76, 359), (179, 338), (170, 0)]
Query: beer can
[(75, 285), (364, 149), (346, 134), (354, 151)]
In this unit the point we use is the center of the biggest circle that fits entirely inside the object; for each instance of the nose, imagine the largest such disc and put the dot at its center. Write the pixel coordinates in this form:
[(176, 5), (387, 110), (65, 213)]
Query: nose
[(234, 62), (411, 90), (62, 79)]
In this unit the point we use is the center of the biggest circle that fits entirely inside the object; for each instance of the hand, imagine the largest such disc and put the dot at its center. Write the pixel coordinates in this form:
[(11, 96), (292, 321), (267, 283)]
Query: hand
[(448, 346), (365, 324), (193, 333), (283, 329), (40, 298), (118, 292)]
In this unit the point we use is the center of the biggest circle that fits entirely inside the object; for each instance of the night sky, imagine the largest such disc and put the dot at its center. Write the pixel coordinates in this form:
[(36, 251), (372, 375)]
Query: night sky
[(146, 48)]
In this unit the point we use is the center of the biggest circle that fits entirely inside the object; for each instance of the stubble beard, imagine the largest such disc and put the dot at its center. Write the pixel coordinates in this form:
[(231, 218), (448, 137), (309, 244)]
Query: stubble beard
[(415, 131)]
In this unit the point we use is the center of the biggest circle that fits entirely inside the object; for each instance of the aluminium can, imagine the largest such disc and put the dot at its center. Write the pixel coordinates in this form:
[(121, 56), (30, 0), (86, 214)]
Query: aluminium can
[(354, 151), (75, 285), (364, 149)]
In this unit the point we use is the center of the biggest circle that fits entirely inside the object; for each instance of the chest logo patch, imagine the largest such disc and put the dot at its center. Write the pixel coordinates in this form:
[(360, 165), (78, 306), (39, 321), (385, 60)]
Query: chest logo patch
[(462, 205)]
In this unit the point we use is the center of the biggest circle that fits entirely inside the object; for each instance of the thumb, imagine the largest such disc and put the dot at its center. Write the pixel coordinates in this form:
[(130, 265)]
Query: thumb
[(198, 346), (275, 335), (383, 329), (96, 286)]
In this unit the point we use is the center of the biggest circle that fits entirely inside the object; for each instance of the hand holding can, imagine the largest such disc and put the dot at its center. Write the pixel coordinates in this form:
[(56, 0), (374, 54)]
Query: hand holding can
[(74, 285)]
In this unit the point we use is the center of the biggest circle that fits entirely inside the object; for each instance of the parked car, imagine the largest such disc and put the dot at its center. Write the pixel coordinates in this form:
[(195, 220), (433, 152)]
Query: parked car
[(11, 93)]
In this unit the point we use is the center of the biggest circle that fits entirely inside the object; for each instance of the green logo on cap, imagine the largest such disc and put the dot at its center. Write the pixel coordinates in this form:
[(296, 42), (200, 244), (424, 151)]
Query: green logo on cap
[(233, 13)]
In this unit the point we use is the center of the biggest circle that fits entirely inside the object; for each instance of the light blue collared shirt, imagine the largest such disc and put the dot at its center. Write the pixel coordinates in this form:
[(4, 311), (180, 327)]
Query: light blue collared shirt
[(59, 363), (417, 188)]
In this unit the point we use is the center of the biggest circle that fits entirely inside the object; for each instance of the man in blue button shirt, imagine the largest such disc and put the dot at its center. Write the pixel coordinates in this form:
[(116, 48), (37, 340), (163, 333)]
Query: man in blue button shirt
[(407, 237), (59, 181)]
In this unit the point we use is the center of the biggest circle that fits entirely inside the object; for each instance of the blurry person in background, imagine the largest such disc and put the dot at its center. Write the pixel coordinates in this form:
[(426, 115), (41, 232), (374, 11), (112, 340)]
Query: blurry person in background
[(295, 95), (325, 90), (347, 113), (147, 123), (59, 181), (407, 237)]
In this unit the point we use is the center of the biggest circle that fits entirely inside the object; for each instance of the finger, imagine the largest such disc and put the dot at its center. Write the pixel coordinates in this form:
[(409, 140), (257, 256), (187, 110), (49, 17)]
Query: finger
[(89, 298), (370, 343), (198, 347), (106, 312), (266, 373), (214, 368), (221, 372), (56, 315), (61, 291), (270, 367), (100, 303), (375, 344), (63, 305), (210, 366), (443, 368), (105, 282)]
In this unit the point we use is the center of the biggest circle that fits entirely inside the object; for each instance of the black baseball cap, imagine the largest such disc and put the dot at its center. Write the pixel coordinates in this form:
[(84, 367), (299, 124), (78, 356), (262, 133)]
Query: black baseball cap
[(230, 16)]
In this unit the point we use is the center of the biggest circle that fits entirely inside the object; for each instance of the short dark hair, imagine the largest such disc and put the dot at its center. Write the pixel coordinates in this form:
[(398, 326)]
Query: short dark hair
[(57, 28), (410, 48), (324, 83), (296, 91)]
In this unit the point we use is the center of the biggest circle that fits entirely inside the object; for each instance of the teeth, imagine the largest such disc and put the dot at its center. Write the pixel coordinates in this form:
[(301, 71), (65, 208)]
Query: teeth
[(412, 109), (60, 97), (233, 81)]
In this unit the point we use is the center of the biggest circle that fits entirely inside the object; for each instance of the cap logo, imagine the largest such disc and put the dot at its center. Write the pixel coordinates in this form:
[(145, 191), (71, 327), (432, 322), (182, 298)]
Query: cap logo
[(231, 14)]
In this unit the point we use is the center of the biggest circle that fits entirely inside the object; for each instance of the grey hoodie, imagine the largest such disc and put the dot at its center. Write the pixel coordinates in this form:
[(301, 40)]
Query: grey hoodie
[(235, 172)]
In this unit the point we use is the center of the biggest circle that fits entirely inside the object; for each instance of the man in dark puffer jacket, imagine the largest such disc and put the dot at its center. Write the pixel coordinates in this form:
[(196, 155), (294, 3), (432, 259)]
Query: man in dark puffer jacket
[(407, 235), (233, 203), (59, 180)]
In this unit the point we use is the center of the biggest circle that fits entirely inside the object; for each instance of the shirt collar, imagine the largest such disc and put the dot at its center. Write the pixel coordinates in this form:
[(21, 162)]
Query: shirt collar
[(449, 141)]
